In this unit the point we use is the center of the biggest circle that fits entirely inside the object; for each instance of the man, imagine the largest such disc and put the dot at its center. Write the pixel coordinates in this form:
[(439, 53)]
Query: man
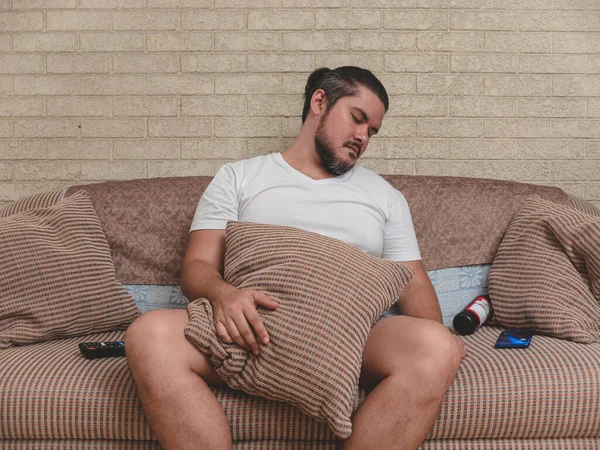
[(409, 360)]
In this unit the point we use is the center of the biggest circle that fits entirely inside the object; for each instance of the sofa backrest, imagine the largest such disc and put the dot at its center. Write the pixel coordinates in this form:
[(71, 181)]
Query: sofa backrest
[(458, 221)]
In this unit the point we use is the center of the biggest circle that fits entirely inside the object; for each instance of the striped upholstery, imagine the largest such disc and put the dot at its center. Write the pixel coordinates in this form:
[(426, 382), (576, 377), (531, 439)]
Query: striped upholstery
[(546, 274), (56, 275), (548, 391), (40, 200), (320, 328), (583, 206)]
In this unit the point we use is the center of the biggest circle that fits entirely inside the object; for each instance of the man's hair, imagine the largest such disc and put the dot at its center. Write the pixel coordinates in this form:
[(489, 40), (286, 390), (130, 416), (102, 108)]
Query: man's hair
[(341, 82)]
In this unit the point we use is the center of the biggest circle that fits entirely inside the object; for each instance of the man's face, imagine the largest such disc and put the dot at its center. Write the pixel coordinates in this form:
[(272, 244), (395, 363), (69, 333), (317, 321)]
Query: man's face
[(343, 133)]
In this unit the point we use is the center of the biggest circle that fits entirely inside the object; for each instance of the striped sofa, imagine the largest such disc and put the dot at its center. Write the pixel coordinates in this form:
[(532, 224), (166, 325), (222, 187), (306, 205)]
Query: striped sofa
[(547, 397)]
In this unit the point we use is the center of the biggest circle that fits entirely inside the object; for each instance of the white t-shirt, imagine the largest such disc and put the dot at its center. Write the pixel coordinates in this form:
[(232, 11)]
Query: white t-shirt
[(358, 207)]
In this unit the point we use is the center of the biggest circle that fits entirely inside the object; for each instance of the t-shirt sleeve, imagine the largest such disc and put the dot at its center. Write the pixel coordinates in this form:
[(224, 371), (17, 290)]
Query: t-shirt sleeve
[(219, 203), (399, 240)]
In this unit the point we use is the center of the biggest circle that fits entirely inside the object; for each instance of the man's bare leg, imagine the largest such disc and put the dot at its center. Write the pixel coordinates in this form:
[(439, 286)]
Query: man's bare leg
[(412, 362), (171, 377)]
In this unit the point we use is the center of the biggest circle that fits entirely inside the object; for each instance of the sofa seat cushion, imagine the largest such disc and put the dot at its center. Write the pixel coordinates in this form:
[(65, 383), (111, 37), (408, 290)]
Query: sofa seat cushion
[(550, 390)]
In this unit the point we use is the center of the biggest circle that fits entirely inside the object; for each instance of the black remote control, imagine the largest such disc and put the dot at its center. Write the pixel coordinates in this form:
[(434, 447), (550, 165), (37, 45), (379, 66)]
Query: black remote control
[(93, 350)]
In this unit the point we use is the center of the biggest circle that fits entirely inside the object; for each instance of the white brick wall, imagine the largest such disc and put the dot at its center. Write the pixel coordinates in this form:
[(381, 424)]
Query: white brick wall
[(94, 90)]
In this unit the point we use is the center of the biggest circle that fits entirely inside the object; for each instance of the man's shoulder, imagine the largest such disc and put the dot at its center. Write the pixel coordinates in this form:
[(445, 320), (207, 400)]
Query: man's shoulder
[(373, 180)]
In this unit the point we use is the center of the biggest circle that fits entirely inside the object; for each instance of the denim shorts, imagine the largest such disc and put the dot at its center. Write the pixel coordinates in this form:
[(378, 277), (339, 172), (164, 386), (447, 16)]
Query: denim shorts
[(392, 311)]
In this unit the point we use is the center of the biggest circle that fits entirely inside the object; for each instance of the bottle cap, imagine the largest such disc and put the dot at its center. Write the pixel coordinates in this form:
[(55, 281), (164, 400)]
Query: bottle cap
[(465, 323)]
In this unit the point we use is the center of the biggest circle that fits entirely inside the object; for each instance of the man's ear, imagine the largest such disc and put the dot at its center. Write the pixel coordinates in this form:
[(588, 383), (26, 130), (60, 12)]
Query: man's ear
[(318, 102)]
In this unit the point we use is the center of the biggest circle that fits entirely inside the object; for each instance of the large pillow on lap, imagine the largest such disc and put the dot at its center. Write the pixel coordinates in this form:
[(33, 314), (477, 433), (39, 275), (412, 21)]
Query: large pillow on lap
[(57, 278), (546, 274), (330, 294)]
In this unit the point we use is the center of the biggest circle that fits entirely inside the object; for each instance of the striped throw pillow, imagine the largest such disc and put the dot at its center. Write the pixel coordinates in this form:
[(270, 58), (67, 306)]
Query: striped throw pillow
[(330, 295), (546, 273), (57, 278)]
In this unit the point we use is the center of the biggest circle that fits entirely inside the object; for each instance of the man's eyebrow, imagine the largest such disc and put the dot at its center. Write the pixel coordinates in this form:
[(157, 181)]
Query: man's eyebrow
[(365, 118)]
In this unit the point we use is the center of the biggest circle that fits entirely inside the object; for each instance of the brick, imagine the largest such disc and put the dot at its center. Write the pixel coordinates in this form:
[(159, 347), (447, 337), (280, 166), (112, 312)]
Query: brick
[(417, 106), (158, 169), (78, 106), (145, 106), (590, 5), (315, 41), (415, 20), (248, 3), (21, 21), (332, 19), (483, 63), (46, 128), (21, 63), (472, 169), (275, 105), (112, 84), (593, 193), (518, 170), (558, 21), (112, 4), (552, 64), (551, 107), (290, 126), (284, 62), (78, 20), (15, 190), (46, 170), (179, 42), (372, 62), (86, 63), (485, 149), (178, 84), (398, 127), (210, 62), (247, 127), (224, 148), (576, 85), (576, 189), (46, 42), (145, 63), (147, 149), (416, 63), (576, 170), (518, 4), (382, 41), (7, 171), (550, 149), (593, 64), (581, 128), (80, 149), (576, 43), (44, 4), (180, 127), (6, 85), (6, 128), (492, 20), (263, 146), (518, 42), (461, 41), (409, 149), (517, 128), (389, 166), (592, 150), (112, 170), (280, 20), (483, 107), (399, 84), (213, 20), (248, 84), (47, 85), (449, 84), (5, 42), (113, 128), (28, 149), (112, 42), (593, 108), (449, 128), (454, 4), (257, 41), (292, 84), (176, 4), (214, 105), (6, 4), (145, 20), (518, 85), (383, 4)]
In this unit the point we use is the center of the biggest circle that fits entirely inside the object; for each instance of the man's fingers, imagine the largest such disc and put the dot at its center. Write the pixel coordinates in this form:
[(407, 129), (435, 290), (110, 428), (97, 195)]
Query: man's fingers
[(263, 300), (247, 334), (222, 333), (258, 326)]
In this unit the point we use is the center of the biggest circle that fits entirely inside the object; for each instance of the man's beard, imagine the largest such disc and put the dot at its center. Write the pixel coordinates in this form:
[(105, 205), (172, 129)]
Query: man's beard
[(329, 160)]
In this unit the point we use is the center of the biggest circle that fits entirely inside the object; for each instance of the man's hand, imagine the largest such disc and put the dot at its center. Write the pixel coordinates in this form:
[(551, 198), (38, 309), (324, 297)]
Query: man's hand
[(237, 320)]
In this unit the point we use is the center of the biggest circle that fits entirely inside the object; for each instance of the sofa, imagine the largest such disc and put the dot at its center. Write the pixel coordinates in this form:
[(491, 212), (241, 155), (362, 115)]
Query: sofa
[(544, 397)]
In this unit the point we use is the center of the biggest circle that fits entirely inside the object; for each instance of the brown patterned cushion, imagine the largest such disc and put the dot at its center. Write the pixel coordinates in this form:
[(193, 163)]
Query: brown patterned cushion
[(56, 275), (330, 294), (546, 275)]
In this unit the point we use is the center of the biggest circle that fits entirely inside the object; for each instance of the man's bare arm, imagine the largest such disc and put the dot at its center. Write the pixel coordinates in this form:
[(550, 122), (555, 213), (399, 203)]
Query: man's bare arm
[(418, 299)]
